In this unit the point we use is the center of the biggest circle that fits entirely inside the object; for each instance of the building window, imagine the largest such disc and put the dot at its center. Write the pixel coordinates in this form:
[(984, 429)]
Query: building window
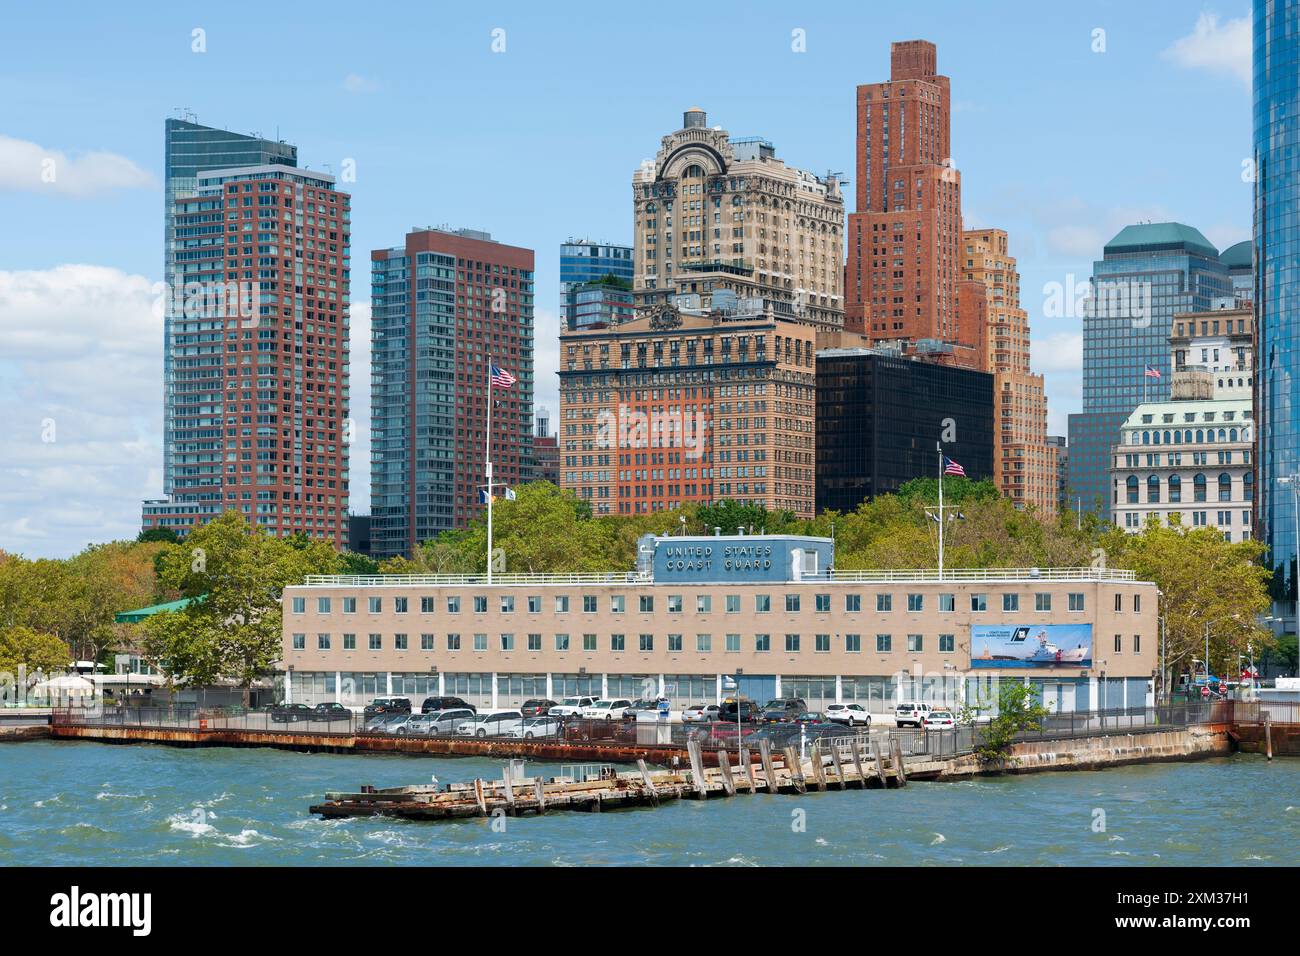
[(426, 605), (853, 602), (1198, 488), (1131, 489), (561, 604), (1011, 602), (1119, 643), (349, 642), (480, 643), (1137, 643), (399, 605), (349, 605), (884, 602), (322, 605), (979, 602), (453, 605), (1137, 604), (1153, 490), (792, 643), (589, 604), (823, 603), (703, 643), (853, 643), (914, 643), (534, 604), (823, 643), (299, 605), (617, 642), (480, 604), (453, 642), (947, 643), (703, 604), (589, 642), (1225, 487), (916, 602), (399, 642), (733, 603), (762, 603), (647, 602), (617, 603), (1042, 602), (322, 642), (300, 642), (762, 642), (376, 642), (426, 642), (674, 604), (562, 642), (884, 643), (1076, 601), (376, 605), (792, 603), (507, 642), (733, 643), (947, 603)]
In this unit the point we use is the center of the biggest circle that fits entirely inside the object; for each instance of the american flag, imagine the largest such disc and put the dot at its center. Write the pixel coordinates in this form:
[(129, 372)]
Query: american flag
[(1150, 372), (500, 378), (950, 467)]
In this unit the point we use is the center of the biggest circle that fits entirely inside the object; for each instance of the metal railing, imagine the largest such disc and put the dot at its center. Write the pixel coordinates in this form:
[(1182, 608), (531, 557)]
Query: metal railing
[(904, 576)]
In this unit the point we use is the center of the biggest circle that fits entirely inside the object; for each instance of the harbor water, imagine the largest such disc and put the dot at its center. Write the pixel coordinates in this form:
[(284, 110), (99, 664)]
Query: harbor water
[(86, 804)]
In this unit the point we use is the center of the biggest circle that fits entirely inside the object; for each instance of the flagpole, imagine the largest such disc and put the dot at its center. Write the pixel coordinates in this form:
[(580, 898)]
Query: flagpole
[(939, 448), (487, 461)]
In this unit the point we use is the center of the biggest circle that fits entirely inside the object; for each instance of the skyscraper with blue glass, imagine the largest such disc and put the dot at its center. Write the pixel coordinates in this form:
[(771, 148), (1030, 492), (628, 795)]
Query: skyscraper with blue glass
[(588, 296), (1277, 283), (1147, 273)]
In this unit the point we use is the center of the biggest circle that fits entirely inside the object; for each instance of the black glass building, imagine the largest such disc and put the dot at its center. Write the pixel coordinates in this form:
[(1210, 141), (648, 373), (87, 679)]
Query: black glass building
[(879, 417)]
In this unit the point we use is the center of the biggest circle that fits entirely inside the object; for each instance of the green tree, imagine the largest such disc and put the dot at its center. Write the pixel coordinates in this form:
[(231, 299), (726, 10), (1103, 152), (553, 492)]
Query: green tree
[(22, 646), (163, 535), (236, 576), (1208, 586), (1019, 710)]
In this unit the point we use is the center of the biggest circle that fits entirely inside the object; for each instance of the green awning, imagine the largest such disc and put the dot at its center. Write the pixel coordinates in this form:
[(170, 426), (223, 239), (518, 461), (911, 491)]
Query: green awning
[(135, 617)]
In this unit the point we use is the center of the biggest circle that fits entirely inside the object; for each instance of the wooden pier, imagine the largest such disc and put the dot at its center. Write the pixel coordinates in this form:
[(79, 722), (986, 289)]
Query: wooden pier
[(838, 765)]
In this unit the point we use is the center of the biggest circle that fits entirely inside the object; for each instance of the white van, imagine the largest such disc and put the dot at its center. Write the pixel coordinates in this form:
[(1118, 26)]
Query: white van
[(910, 713)]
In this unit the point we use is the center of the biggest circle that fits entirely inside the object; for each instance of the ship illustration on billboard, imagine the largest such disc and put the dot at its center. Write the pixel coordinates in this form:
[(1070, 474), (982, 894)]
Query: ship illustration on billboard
[(1031, 645)]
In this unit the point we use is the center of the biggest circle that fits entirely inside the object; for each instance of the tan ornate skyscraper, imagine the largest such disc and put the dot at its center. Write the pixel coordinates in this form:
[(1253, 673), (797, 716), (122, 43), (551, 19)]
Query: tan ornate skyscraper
[(1024, 464), (715, 213)]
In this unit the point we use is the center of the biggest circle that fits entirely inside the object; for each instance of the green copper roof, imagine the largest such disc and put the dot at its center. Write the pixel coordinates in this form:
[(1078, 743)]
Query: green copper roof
[(136, 616), (1156, 236), (1237, 256)]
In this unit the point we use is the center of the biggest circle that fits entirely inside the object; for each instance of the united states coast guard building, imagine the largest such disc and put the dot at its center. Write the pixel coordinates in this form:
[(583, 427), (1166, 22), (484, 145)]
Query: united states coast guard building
[(767, 612)]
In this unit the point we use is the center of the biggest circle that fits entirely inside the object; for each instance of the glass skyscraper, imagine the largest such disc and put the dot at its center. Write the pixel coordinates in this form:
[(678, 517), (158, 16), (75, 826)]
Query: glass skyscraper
[(582, 263), (1277, 280), (1147, 273)]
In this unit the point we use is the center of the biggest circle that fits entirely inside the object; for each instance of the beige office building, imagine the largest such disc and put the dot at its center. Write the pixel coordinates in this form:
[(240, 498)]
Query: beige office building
[(768, 613), (714, 213)]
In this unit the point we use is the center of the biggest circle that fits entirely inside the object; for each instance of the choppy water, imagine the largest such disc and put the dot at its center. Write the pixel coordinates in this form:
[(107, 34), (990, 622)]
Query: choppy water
[(71, 803)]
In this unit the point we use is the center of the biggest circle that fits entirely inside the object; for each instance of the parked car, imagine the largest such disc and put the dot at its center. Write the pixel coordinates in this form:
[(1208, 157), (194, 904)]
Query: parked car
[(290, 713), (536, 727), (702, 713), (809, 717), (449, 721), (779, 733), (910, 713), (571, 706), (644, 704), (433, 704), (331, 711), (537, 707), (388, 705), (492, 723), (383, 723), (605, 709), (851, 714), (744, 710), (939, 720), (412, 725), (775, 716), (791, 705)]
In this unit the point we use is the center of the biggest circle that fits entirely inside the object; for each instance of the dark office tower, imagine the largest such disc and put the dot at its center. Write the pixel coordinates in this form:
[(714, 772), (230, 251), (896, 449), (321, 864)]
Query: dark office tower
[(1146, 274), (1277, 286), (255, 337), (880, 415), (442, 306)]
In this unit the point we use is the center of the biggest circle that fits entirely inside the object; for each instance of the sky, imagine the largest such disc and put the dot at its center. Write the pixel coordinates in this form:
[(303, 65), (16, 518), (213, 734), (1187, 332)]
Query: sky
[(527, 120)]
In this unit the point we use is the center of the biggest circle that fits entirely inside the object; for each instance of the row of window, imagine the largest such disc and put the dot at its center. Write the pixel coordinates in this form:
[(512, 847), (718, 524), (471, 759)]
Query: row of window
[(703, 603)]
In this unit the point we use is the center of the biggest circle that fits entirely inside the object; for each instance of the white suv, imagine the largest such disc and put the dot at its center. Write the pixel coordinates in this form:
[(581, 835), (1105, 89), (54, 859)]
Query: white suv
[(851, 714), (910, 713), (606, 709), (570, 706)]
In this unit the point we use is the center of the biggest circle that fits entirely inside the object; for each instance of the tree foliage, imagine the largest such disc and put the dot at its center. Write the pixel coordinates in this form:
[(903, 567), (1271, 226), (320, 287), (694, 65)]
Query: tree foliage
[(22, 646)]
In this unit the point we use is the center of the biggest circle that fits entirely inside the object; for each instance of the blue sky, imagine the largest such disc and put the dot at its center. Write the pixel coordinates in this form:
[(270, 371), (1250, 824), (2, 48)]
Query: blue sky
[(1057, 143)]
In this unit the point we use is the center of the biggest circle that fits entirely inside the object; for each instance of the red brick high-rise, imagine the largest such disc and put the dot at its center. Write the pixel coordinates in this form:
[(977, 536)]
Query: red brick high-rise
[(902, 274)]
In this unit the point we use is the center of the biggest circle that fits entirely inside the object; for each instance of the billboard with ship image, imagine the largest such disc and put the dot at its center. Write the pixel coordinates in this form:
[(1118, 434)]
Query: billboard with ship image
[(1031, 645)]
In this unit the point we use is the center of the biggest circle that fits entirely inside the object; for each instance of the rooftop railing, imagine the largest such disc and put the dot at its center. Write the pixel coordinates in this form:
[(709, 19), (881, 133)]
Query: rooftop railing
[(914, 576)]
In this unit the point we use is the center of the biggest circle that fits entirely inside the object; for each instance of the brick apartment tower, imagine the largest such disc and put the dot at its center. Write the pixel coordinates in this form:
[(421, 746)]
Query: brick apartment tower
[(1024, 464), (257, 344), (902, 274), (441, 306)]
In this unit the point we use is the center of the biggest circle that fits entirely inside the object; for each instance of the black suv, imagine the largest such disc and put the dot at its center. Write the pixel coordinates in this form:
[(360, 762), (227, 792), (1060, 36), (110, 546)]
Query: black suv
[(388, 705), (743, 711), (331, 711), (434, 704), (537, 707), (793, 706)]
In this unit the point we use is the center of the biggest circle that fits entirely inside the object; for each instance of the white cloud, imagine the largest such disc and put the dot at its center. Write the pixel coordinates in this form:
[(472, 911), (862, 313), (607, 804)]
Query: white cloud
[(1058, 353), (1077, 241), (29, 167), (356, 83), (81, 382), (1218, 48)]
